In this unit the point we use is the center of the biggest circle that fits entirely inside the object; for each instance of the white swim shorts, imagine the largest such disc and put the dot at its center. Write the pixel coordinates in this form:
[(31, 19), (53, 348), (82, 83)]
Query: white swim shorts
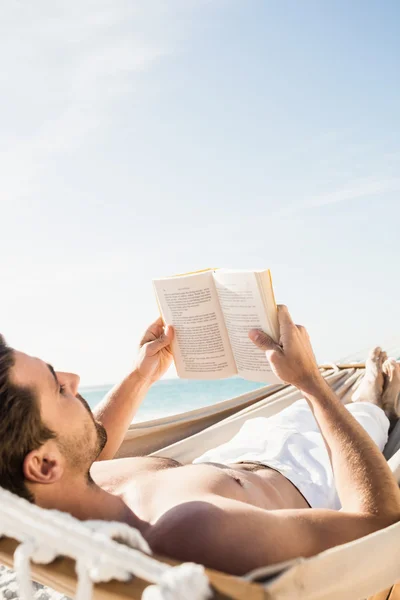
[(290, 442)]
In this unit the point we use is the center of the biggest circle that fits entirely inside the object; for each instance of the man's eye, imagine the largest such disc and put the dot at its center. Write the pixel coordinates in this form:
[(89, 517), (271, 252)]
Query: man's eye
[(62, 389)]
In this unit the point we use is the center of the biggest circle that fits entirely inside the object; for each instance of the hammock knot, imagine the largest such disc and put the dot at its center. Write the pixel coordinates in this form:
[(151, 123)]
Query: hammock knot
[(43, 555), (180, 583), (103, 570)]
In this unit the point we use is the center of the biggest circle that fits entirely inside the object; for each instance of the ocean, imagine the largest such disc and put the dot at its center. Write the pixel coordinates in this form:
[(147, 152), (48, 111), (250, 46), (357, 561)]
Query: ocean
[(173, 396)]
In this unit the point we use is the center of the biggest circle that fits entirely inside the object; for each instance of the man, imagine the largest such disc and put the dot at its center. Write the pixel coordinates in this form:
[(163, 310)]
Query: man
[(234, 516)]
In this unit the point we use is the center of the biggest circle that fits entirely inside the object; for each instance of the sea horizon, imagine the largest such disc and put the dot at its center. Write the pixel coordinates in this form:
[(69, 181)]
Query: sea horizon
[(174, 395)]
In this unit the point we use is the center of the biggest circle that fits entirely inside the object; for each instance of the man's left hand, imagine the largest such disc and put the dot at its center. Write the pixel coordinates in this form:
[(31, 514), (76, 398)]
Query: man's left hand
[(155, 354)]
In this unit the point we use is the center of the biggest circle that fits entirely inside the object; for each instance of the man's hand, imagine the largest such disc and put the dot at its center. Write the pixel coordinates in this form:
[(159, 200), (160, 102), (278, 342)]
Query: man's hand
[(155, 354), (292, 360)]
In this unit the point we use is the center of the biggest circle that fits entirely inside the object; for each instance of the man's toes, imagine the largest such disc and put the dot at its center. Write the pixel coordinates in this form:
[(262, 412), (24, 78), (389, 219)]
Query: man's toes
[(396, 369), (389, 367), (381, 359), (374, 358), (385, 368), (375, 353), (390, 397)]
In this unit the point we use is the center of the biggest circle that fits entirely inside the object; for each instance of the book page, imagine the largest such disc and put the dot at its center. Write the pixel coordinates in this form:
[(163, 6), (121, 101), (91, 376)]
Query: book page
[(201, 345), (243, 308), (271, 310)]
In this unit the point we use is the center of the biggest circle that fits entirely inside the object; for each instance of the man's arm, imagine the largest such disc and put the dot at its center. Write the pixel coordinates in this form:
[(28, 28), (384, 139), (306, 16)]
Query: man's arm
[(235, 537), (363, 479), (118, 408)]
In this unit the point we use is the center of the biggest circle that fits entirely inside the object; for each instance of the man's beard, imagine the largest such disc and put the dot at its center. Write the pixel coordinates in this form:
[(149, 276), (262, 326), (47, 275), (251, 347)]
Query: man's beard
[(100, 429), (75, 448)]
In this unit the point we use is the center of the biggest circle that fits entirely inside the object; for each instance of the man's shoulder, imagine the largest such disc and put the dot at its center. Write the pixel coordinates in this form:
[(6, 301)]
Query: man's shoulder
[(217, 532), (183, 527)]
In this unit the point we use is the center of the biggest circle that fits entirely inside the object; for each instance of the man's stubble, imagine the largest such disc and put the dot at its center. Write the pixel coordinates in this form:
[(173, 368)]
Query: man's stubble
[(75, 447)]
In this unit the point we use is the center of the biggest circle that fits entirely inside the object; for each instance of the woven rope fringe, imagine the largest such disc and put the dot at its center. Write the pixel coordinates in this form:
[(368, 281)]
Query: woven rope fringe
[(84, 589), (46, 534), (22, 557), (180, 583)]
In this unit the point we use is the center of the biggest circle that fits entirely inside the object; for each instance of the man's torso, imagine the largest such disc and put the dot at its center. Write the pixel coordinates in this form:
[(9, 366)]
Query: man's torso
[(151, 486)]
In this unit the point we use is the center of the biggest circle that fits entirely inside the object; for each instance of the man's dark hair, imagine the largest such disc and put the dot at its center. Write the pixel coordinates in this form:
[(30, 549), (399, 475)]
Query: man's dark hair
[(21, 426)]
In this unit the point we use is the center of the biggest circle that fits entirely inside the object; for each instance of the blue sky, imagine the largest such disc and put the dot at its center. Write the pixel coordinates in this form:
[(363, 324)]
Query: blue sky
[(140, 139)]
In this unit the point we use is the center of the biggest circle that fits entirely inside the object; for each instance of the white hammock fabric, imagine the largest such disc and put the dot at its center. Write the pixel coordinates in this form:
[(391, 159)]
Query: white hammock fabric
[(345, 572)]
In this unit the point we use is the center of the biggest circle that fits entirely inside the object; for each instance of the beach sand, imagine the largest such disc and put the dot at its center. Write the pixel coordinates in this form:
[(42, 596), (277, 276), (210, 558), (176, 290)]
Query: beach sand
[(9, 588)]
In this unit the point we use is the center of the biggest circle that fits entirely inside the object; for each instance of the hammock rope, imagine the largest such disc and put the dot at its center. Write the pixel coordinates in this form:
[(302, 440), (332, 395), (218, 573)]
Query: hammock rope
[(46, 534)]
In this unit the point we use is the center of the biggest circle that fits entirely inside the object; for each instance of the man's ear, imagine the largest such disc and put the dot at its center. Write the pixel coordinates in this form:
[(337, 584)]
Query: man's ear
[(44, 465)]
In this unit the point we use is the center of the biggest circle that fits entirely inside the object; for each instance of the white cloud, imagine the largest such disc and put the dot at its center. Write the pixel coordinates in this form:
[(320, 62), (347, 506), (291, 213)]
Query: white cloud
[(354, 190), (360, 188)]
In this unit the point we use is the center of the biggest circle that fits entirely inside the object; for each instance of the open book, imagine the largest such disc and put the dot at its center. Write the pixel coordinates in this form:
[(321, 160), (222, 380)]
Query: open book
[(212, 312)]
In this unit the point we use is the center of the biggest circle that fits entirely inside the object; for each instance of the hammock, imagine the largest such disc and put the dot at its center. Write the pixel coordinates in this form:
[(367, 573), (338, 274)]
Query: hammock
[(87, 559)]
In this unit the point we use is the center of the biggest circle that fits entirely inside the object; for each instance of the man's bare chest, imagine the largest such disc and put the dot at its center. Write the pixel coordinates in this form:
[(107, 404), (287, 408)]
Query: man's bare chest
[(112, 475), (150, 486)]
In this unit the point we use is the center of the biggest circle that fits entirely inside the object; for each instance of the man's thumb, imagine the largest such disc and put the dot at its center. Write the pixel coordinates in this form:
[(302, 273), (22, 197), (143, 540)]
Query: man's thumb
[(262, 340)]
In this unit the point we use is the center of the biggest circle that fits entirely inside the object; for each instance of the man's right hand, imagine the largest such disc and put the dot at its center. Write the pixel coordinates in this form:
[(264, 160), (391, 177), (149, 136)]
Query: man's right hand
[(292, 360), (155, 354)]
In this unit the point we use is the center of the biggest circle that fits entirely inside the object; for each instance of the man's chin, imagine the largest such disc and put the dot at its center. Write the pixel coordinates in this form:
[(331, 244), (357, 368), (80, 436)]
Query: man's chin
[(100, 429)]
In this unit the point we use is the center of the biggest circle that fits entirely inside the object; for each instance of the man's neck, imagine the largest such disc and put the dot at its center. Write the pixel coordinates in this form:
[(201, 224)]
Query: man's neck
[(87, 501)]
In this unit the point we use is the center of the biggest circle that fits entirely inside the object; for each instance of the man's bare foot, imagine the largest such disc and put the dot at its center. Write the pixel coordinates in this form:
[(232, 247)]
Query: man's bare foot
[(372, 384), (390, 396)]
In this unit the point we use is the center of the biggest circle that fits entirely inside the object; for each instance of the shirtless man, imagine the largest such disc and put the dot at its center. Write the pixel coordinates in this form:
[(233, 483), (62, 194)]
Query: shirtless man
[(234, 516)]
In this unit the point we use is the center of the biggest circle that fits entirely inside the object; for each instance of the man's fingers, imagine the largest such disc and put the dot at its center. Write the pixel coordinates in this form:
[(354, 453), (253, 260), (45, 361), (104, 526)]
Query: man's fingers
[(284, 317), (161, 342), (153, 332), (155, 328), (262, 340)]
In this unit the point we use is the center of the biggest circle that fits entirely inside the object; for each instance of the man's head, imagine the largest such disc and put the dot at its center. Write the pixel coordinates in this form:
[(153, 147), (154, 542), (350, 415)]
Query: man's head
[(47, 431)]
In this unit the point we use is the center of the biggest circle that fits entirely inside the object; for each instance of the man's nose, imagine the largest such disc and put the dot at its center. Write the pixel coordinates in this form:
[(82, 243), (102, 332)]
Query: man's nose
[(69, 379)]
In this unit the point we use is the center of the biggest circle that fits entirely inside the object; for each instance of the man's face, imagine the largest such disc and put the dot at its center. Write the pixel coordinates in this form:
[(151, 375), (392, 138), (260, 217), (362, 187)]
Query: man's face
[(79, 437)]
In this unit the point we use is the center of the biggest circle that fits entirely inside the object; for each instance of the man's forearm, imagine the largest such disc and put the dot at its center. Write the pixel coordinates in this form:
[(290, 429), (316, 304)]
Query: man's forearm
[(117, 410), (363, 479)]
